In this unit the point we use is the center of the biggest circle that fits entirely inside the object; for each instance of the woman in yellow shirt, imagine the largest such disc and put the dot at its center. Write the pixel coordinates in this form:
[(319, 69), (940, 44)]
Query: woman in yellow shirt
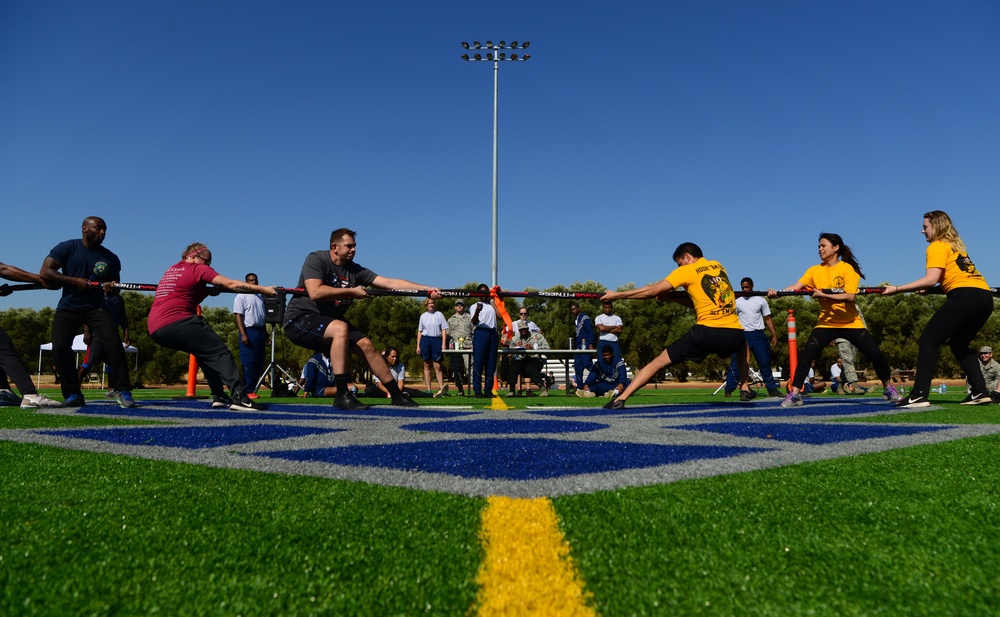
[(960, 318), (839, 273)]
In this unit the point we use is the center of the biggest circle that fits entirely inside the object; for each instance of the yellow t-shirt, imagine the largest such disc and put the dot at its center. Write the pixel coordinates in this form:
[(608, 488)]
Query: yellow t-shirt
[(707, 284), (835, 313), (959, 271)]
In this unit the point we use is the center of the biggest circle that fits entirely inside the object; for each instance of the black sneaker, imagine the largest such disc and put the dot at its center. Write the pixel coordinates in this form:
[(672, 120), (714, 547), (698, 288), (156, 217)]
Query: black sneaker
[(912, 402), (747, 395), (221, 402), (246, 404), (404, 400), (977, 399), (74, 400), (615, 404), (775, 393), (348, 402)]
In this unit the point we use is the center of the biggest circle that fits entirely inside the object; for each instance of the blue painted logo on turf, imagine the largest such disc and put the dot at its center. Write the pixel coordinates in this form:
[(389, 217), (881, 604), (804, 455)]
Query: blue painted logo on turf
[(541, 451)]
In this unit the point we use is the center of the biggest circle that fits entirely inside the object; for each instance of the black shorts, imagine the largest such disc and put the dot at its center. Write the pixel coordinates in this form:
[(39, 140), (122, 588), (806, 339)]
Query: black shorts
[(700, 341), (307, 331)]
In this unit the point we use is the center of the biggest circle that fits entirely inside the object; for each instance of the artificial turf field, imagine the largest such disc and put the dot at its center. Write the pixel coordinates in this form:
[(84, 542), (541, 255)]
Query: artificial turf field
[(684, 504)]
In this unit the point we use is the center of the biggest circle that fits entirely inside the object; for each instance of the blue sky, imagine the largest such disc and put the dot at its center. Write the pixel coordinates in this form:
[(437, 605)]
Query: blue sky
[(258, 127)]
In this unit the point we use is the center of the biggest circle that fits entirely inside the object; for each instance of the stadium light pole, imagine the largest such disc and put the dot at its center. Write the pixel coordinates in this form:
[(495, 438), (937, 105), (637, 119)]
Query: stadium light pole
[(496, 54)]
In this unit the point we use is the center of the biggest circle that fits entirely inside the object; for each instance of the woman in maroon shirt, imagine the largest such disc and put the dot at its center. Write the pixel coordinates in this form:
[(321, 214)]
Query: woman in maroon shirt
[(174, 323)]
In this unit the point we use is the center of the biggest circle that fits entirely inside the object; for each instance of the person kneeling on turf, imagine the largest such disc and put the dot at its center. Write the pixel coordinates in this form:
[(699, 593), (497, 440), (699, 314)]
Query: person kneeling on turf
[(607, 377)]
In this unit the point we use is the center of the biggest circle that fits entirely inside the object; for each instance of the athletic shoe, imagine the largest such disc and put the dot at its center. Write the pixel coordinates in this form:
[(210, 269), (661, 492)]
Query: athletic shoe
[(74, 400), (246, 404), (9, 399), (125, 399), (912, 402), (543, 392), (348, 402), (221, 402), (34, 401), (775, 393), (891, 394), (611, 394), (252, 395), (614, 404), (442, 392), (111, 393), (977, 399), (747, 395), (728, 394), (585, 394), (404, 400), (792, 400)]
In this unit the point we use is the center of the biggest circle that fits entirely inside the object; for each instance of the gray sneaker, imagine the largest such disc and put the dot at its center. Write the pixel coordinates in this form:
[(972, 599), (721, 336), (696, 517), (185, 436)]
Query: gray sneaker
[(891, 394), (442, 392), (34, 401), (792, 400), (125, 399)]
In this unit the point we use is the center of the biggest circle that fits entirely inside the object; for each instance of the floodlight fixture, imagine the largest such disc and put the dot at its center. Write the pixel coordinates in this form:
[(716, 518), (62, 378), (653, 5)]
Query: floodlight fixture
[(496, 59)]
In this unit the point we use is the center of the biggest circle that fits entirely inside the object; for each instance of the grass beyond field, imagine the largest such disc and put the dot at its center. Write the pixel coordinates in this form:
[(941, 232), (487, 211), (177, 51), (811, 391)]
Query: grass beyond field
[(907, 531)]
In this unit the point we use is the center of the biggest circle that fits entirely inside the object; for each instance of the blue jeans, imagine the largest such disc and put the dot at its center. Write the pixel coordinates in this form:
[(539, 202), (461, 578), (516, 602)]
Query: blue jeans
[(252, 356), (760, 347), (485, 342), (581, 362)]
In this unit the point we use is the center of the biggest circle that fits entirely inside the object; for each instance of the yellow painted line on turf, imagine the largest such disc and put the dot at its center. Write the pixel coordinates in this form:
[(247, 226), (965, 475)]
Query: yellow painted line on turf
[(527, 568), (497, 404)]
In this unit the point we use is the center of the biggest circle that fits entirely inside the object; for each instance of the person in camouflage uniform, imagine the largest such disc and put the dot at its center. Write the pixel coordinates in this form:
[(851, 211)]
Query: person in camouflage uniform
[(991, 372), (460, 332)]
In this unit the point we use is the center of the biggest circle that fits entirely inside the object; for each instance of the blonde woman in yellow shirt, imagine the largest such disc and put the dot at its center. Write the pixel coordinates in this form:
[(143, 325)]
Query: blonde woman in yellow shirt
[(963, 314), (840, 274)]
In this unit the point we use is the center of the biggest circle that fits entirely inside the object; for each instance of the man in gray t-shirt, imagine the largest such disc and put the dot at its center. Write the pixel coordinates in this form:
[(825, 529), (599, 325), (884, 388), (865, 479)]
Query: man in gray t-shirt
[(316, 320)]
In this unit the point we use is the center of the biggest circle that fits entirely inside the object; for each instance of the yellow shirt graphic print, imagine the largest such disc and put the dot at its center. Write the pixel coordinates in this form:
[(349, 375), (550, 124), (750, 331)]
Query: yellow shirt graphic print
[(708, 286), (841, 277), (959, 271)]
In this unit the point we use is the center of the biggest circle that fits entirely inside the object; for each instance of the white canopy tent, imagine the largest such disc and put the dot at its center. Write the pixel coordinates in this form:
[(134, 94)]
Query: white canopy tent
[(80, 347)]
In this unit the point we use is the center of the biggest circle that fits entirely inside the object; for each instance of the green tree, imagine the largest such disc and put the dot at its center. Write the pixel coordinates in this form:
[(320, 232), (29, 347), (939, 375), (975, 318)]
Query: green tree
[(28, 329)]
